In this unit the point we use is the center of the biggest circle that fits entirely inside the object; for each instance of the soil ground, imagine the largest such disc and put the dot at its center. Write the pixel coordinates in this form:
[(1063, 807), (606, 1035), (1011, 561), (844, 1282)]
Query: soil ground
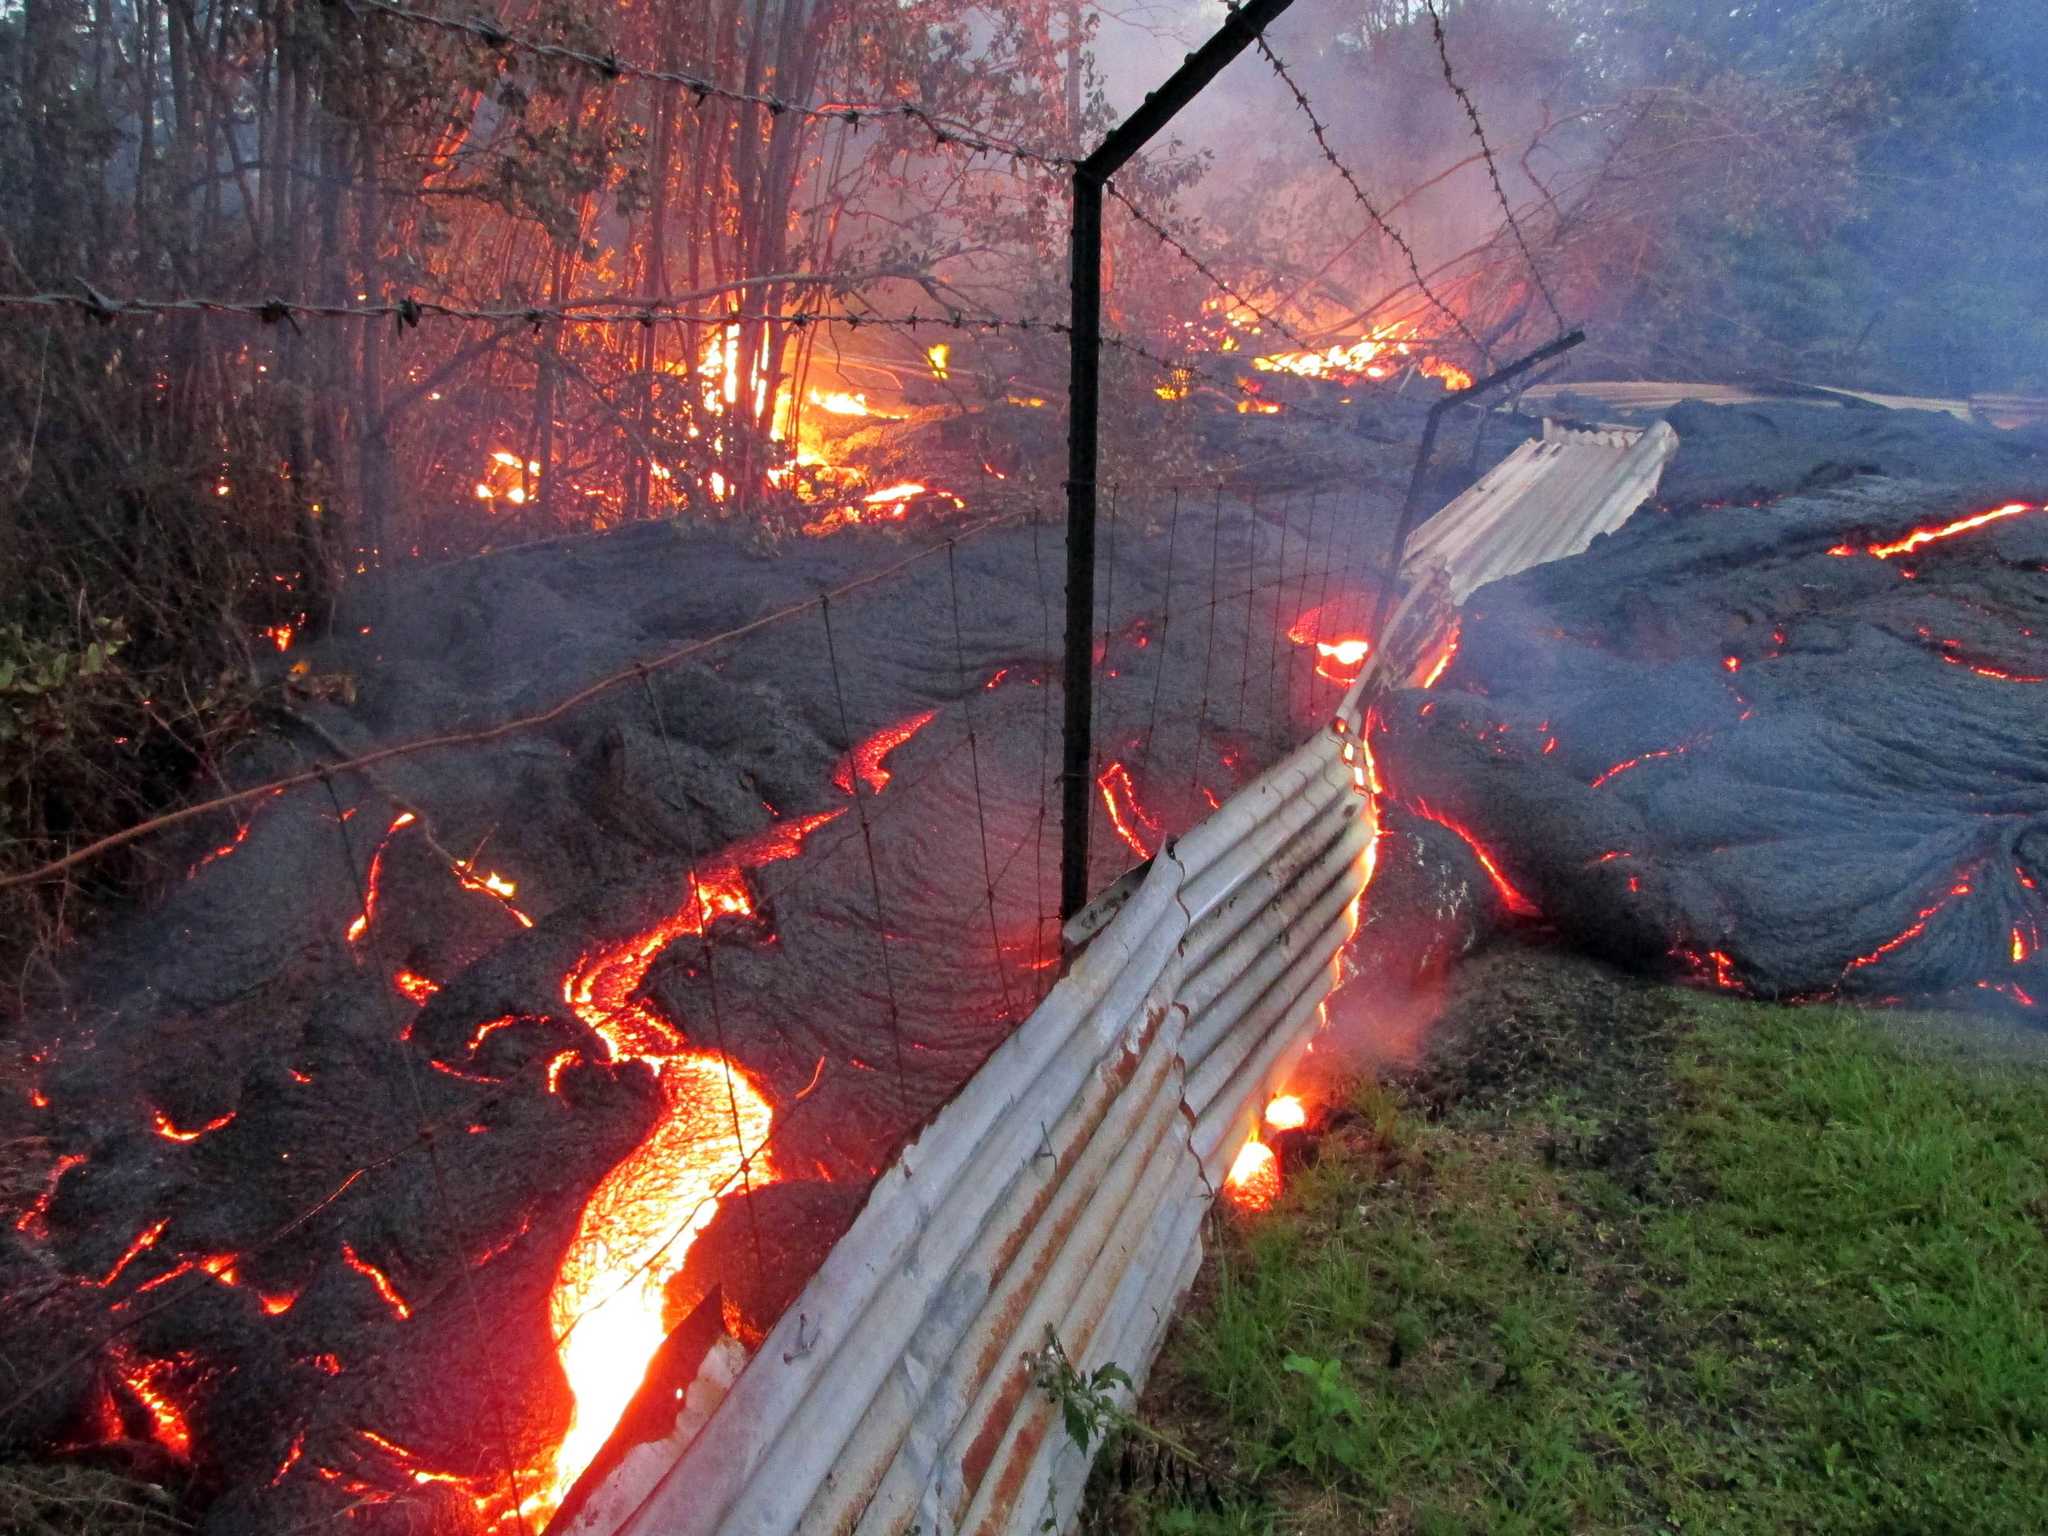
[(1607, 1256)]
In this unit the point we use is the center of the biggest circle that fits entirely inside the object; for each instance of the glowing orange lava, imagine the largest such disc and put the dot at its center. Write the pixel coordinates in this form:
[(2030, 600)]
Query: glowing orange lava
[(866, 758), (1920, 537), (1253, 1183), (1514, 900), (368, 915), (170, 1132), (1337, 659), (609, 1305), (1445, 657), (1117, 778), (378, 1279), (33, 1221), (145, 1379), (1286, 1113)]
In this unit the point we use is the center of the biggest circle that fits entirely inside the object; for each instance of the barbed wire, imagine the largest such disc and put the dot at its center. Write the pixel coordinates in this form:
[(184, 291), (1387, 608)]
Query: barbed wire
[(1500, 193), (1321, 131), (944, 130), (1179, 248)]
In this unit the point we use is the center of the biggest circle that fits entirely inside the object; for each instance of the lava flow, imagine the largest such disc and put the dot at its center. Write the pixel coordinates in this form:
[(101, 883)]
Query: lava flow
[(1923, 536), (865, 760), (609, 1305), (1116, 777), (1337, 658)]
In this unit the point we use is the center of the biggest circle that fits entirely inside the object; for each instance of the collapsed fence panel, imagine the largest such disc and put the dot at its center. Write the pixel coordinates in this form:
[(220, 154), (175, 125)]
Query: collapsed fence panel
[(1546, 500), (1059, 1195)]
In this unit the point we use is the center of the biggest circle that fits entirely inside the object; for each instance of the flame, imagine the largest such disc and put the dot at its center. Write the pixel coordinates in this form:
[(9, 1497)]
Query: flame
[(1286, 1113), (170, 1132), (491, 884), (1337, 660), (866, 758), (609, 1302), (1375, 355), (1253, 1183), (839, 402), (938, 355), (279, 635), (1920, 537)]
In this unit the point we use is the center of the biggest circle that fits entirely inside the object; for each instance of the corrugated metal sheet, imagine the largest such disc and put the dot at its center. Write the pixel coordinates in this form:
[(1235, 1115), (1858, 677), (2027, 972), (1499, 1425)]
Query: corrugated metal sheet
[(1546, 500)]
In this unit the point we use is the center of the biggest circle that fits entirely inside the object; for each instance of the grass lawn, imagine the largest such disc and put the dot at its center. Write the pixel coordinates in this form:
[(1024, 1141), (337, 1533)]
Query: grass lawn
[(1620, 1258)]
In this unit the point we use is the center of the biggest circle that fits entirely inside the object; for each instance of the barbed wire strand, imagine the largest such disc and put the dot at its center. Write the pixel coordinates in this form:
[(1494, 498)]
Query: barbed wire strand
[(1320, 130), (945, 131), (1443, 52)]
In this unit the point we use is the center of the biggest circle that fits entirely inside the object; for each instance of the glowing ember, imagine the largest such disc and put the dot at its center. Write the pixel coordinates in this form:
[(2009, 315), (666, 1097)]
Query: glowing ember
[(1253, 1183), (378, 1279), (279, 635), (1920, 537), (1127, 819), (937, 356), (491, 884), (866, 758), (1514, 900), (1286, 1113), (170, 1132)]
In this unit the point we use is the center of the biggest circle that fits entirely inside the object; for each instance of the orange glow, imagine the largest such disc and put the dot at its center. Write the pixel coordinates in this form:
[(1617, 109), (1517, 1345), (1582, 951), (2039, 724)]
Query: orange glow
[(2019, 946), (1913, 930), (1515, 901), (377, 1278), (938, 356), (33, 1221), (415, 987), (1376, 355), (1714, 966), (167, 1419), (1116, 778), (608, 1307), (1448, 655), (1253, 1183), (279, 635), (839, 403), (1337, 659), (866, 758), (368, 915), (170, 1132), (1920, 537), (1634, 762), (1258, 407), (1286, 1113), (145, 1239)]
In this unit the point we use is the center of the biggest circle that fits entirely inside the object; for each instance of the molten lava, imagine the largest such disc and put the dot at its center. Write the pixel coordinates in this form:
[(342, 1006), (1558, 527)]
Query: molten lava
[(1286, 1113), (1921, 537), (1126, 819), (1337, 659), (609, 1306), (865, 759), (1513, 899), (1253, 1183), (170, 1132)]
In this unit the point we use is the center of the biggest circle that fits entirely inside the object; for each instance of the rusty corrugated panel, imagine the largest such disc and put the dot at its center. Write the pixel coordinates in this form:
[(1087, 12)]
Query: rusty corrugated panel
[(1059, 1190)]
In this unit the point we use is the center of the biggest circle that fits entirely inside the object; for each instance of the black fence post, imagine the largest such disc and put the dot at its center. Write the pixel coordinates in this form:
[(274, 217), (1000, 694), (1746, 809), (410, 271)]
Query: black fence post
[(1244, 24)]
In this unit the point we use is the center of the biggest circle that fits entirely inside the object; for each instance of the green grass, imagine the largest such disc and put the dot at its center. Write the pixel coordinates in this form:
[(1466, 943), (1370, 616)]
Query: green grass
[(1796, 1281)]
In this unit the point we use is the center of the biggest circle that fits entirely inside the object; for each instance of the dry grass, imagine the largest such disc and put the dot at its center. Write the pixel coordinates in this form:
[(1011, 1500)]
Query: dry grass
[(53, 1499)]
